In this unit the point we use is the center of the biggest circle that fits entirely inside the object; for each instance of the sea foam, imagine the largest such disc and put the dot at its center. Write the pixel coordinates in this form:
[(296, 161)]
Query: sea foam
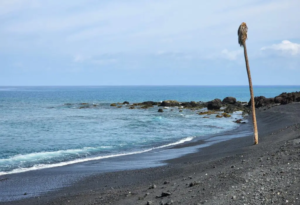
[(48, 155)]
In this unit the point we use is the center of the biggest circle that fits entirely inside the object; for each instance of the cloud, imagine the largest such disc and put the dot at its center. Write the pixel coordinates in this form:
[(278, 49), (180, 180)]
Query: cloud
[(144, 35), (134, 26), (285, 47), (231, 55)]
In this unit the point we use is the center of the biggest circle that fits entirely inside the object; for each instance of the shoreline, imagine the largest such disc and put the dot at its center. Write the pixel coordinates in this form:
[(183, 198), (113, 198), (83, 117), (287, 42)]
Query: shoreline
[(278, 127), (23, 185)]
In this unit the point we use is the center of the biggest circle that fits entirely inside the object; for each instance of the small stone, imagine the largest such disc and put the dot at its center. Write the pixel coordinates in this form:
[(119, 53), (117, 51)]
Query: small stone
[(160, 110), (193, 184), (164, 194), (149, 202), (129, 193), (233, 197), (153, 186)]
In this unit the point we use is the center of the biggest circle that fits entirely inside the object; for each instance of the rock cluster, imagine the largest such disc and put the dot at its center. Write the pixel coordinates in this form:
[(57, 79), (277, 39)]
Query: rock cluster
[(229, 104), (282, 99)]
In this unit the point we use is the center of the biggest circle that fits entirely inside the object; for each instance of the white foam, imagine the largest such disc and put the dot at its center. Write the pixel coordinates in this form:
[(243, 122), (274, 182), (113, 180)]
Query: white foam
[(47, 155), (44, 166)]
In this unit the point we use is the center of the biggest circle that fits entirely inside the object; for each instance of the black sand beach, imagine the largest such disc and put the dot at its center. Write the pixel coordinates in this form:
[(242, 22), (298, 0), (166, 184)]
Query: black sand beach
[(230, 172)]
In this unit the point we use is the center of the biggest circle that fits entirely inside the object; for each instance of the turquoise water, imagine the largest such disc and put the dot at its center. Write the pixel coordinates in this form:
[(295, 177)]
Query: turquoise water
[(44, 127)]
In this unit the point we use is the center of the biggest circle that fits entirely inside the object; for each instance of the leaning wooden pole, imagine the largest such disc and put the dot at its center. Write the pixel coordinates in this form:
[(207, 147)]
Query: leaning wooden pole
[(242, 33)]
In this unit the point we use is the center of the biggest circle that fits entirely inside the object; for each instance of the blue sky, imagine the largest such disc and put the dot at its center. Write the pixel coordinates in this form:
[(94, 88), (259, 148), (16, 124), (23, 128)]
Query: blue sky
[(139, 42)]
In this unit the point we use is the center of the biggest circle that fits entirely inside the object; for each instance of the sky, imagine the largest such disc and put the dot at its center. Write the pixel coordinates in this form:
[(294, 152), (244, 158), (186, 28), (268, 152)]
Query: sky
[(148, 42)]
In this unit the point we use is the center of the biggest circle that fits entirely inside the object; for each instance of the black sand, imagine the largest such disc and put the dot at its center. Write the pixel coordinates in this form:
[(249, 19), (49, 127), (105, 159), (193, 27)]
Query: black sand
[(230, 172)]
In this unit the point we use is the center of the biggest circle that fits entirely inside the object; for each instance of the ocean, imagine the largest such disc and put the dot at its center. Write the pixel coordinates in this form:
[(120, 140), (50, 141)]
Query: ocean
[(43, 127)]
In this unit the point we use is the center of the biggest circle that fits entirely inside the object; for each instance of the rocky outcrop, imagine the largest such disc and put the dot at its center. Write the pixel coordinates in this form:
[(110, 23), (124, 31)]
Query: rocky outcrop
[(149, 103), (230, 103), (289, 97), (170, 103), (283, 98), (229, 100), (262, 101), (237, 107), (193, 104), (278, 99), (215, 104)]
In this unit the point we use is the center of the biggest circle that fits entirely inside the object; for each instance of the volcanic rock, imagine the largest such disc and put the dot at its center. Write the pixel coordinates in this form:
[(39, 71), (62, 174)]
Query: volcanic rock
[(215, 104), (229, 100), (170, 103)]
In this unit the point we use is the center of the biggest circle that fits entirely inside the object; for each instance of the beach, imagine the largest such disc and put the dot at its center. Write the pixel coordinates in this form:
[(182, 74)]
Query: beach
[(144, 103), (229, 172)]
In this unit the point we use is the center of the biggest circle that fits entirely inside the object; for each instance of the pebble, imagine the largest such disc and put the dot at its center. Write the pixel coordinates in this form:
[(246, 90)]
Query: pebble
[(193, 184), (153, 186), (164, 194)]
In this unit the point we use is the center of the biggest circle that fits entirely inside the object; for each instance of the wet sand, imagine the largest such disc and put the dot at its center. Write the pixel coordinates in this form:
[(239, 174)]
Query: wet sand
[(230, 172)]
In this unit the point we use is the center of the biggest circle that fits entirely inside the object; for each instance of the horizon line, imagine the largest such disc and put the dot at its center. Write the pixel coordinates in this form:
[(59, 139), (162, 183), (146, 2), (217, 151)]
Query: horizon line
[(131, 85)]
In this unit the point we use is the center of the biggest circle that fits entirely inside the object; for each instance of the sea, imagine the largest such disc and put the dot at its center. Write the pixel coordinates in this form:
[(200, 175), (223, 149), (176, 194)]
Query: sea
[(52, 126)]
